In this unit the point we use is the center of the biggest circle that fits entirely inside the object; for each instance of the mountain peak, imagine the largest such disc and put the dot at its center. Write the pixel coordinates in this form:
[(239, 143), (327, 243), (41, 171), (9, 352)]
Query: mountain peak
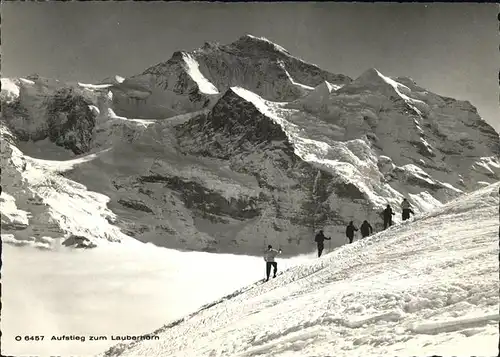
[(277, 125), (239, 122), (326, 86), (177, 55), (210, 45), (370, 75), (372, 80), (248, 41)]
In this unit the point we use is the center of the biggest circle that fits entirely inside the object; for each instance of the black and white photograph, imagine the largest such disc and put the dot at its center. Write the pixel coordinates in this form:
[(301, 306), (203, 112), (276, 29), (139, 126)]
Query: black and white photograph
[(238, 179)]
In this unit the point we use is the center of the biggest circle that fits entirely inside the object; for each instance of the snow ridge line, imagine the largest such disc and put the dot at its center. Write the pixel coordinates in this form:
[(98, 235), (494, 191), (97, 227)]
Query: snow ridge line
[(303, 86), (409, 101), (291, 130)]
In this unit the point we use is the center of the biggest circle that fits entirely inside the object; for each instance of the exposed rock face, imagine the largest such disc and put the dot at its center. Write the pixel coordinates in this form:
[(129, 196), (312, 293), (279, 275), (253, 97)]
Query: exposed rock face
[(50, 110), (70, 121), (207, 203), (233, 126), (18, 118), (165, 90), (244, 145), (262, 67), (79, 242)]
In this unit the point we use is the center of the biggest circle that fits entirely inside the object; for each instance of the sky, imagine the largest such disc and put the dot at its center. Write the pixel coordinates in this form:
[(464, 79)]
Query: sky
[(449, 48)]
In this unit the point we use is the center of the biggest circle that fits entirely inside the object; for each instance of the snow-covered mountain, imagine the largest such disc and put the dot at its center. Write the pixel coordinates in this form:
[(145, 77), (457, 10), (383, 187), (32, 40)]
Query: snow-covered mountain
[(426, 287), (228, 148), (192, 80)]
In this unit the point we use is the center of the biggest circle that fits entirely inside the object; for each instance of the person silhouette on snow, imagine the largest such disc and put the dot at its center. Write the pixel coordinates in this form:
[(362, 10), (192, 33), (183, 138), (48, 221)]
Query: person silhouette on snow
[(366, 229), (406, 207), (349, 231), (388, 213), (320, 239), (270, 262)]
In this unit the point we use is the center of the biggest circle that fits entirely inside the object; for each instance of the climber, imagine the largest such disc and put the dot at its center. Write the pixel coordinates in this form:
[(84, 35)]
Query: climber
[(406, 207), (269, 258), (319, 239), (387, 213), (366, 229), (349, 231)]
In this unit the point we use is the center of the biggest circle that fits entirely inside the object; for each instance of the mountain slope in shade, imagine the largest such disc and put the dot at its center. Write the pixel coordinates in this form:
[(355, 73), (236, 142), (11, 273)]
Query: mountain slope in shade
[(426, 287)]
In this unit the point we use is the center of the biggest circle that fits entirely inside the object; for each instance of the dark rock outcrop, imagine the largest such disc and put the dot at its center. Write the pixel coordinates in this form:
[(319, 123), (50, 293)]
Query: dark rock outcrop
[(70, 121), (80, 242), (63, 116)]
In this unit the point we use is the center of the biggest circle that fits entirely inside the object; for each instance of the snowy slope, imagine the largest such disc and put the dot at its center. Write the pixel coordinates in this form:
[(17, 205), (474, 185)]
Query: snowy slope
[(39, 206), (10, 90), (429, 286), (409, 125)]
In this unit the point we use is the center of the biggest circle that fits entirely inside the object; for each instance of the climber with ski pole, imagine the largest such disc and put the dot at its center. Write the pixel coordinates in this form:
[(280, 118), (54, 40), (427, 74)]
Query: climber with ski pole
[(270, 262), (320, 239), (349, 231)]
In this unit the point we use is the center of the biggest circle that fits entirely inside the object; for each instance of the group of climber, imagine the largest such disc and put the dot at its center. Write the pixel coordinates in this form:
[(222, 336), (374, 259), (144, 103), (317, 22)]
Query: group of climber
[(365, 229)]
